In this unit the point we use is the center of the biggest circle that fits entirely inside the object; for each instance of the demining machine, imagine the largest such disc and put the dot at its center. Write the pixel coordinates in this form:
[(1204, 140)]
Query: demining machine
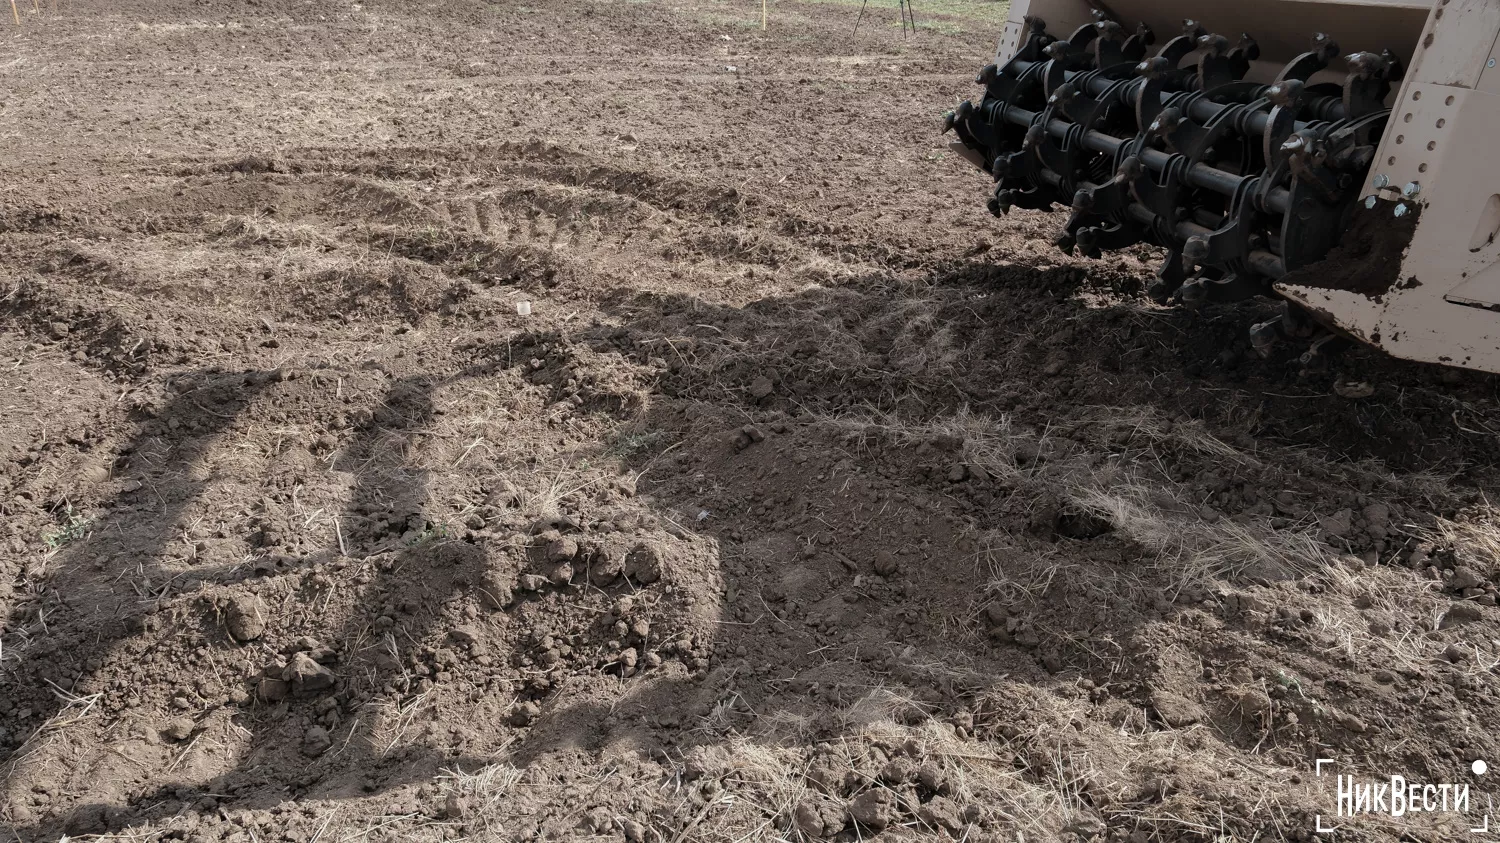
[(1342, 156)]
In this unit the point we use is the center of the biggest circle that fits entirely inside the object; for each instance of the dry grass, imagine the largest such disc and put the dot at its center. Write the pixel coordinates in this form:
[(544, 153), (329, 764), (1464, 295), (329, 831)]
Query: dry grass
[(1200, 553), (247, 231), (763, 772), (1473, 538), (480, 795), (74, 709), (399, 721), (1111, 464)]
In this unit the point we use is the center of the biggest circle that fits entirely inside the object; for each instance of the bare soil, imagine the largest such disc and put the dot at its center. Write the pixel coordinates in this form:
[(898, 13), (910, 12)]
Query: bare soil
[(807, 502)]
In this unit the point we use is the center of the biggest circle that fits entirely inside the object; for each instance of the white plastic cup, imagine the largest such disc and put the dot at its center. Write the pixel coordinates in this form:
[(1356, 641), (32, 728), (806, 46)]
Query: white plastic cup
[(523, 308)]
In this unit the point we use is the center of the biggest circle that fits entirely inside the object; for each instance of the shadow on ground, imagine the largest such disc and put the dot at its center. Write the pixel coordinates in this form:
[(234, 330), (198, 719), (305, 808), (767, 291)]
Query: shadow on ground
[(892, 480)]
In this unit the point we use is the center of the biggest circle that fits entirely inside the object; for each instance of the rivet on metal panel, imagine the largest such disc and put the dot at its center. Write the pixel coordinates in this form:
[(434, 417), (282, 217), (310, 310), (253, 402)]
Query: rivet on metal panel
[(1490, 63)]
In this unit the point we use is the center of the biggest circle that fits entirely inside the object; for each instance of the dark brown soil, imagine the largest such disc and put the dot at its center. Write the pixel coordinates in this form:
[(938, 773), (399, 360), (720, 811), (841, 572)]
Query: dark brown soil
[(1368, 258), (807, 502)]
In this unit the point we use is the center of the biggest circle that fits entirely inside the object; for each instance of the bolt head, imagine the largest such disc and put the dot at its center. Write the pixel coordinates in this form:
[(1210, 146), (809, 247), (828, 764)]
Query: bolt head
[(1381, 181), (1490, 63), (1371, 200), (1402, 210), (1411, 189)]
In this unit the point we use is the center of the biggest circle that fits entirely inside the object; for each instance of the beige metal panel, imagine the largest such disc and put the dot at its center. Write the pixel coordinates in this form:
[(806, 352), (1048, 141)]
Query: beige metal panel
[(1455, 43), (1489, 77), (1418, 321), (963, 151), (1416, 327), (1010, 41), (1061, 17), (1356, 313), (1284, 28), (1483, 290), (1419, 136)]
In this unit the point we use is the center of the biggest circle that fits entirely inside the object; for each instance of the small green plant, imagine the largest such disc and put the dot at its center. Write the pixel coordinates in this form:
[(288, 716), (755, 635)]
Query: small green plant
[(74, 528), (430, 234), (1292, 683), (632, 443), (431, 533)]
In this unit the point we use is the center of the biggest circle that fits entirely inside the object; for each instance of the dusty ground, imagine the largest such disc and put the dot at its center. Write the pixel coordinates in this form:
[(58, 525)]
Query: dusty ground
[(808, 502)]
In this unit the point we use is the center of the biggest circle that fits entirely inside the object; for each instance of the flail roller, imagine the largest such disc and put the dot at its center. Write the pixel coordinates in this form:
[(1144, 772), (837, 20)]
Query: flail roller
[(1241, 182)]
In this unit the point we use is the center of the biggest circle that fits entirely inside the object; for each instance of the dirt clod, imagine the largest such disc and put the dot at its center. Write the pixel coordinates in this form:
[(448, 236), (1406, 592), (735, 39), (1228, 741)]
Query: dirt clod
[(562, 549), (643, 564), (628, 660), (1350, 722), (874, 809), (1459, 614), (467, 636), (245, 617), (819, 818), (456, 806), (1176, 710), (316, 742), (931, 778), (1353, 390), (606, 564), (273, 690), (747, 436), (306, 677), (495, 591), (178, 728), (942, 813), (525, 714), (1465, 578), (898, 771)]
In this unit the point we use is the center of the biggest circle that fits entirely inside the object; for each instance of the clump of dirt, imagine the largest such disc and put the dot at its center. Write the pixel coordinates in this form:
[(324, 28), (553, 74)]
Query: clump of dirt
[(382, 472), (1368, 257)]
